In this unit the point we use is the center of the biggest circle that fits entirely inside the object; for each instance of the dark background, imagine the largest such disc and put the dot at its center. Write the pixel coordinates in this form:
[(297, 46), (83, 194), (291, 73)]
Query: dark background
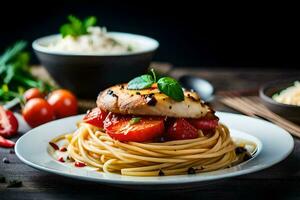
[(190, 34)]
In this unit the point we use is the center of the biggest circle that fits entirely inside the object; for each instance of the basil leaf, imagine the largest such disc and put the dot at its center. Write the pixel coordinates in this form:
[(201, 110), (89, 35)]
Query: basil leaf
[(141, 82), (171, 88)]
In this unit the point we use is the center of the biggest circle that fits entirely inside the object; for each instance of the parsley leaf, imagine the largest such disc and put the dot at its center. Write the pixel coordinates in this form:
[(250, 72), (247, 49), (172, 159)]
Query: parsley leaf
[(77, 27)]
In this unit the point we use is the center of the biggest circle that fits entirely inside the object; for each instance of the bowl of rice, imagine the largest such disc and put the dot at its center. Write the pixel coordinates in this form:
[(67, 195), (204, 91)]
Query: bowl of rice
[(87, 63)]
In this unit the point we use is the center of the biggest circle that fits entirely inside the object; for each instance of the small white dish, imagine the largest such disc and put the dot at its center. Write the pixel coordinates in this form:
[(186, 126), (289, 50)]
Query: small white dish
[(273, 145)]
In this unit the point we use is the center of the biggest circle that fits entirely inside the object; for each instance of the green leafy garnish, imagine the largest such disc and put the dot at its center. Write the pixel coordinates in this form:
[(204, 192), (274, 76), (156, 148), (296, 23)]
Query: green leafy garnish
[(134, 120), (77, 27), (141, 82), (15, 75), (166, 85), (171, 88)]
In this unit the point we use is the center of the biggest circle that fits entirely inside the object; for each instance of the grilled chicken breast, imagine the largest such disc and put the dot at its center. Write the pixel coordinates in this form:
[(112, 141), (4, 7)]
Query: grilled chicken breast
[(151, 102)]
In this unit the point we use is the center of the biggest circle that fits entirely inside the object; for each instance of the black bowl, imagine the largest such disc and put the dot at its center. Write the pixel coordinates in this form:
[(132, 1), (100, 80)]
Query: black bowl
[(290, 112), (87, 73)]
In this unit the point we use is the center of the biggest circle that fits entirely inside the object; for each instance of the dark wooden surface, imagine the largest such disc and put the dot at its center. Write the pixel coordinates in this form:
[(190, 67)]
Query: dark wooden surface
[(278, 182)]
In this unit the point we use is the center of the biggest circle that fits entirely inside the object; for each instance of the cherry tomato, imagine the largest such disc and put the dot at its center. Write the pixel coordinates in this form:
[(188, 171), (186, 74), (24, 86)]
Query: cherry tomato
[(8, 123), (95, 117), (145, 129), (33, 93), (6, 143), (37, 111), (63, 102), (181, 129)]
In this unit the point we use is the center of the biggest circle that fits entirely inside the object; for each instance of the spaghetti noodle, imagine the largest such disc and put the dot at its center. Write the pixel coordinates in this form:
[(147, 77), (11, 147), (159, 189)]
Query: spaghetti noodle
[(92, 146)]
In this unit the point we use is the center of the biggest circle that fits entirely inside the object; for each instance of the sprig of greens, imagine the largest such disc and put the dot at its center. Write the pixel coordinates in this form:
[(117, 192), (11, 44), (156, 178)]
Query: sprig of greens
[(15, 76), (77, 27), (166, 85)]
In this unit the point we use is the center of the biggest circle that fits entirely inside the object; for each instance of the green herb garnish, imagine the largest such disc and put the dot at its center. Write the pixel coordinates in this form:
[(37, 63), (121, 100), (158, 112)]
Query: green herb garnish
[(134, 120), (166, 85), (171, 88), (15, 75), (141, 82), (77, 27)]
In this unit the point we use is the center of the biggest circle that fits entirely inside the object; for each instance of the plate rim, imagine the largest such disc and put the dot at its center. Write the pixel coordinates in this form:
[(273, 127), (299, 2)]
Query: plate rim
[(159, 180)]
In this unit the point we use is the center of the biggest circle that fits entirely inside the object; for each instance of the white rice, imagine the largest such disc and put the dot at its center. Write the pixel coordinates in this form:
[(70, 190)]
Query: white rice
[(96, 41)]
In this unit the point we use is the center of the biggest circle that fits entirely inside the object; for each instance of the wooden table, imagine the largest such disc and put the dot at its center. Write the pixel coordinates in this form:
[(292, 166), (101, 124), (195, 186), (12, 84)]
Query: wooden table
[(279, 181)]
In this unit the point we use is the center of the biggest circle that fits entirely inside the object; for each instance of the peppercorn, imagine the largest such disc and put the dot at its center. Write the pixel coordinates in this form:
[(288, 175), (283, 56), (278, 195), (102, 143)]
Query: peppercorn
[(5, 160), (191, 170)]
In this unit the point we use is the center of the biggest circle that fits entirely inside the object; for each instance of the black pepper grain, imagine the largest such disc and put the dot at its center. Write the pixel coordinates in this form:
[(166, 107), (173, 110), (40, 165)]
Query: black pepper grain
[(161, 173), (170, 107), (110, 92), (191, 171), (11, 151), (5, 160), (138, 93), (151, 100)]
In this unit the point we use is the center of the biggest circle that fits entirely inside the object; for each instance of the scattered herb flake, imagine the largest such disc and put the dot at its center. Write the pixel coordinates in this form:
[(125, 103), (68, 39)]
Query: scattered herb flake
[(134, 120)]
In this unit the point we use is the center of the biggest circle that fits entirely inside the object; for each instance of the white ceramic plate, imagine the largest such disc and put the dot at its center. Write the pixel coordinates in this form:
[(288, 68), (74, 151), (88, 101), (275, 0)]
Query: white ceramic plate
[(274, 144)]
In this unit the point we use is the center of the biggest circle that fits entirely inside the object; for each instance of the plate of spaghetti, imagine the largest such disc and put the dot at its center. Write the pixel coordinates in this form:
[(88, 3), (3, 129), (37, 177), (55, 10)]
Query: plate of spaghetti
[(153, 132)]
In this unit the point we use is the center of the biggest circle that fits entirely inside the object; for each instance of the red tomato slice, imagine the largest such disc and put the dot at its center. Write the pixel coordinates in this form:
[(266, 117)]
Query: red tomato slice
[(204, 123), (146, 129), (6, 143), (181, 129), (95, 117), (8, 123)]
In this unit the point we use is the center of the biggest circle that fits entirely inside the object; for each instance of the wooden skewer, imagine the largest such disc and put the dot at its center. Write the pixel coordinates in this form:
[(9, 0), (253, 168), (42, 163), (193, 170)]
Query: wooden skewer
[(253, 107), (265, 111), (262, 111)]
